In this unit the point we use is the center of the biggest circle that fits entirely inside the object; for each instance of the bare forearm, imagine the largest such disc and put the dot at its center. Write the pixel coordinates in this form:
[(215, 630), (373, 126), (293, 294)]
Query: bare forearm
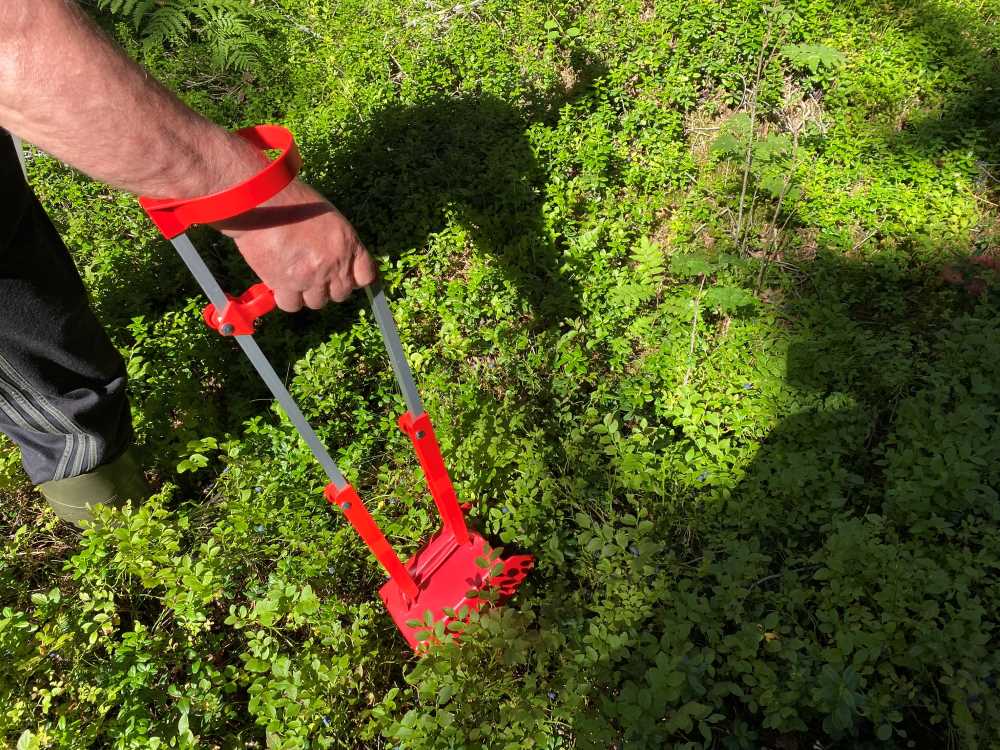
[(69, 90)]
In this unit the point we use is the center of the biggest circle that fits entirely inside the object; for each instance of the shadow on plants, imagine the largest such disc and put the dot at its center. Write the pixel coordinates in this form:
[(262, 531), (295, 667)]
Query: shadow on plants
[(407, 169), (874, 509), (404, 173), (963, 119), (874, 338), (401, 174), (843, 594), (968, 119)]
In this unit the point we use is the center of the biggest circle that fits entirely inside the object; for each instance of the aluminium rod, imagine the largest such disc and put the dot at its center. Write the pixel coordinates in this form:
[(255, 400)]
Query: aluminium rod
[(394, 348), (193, 260)]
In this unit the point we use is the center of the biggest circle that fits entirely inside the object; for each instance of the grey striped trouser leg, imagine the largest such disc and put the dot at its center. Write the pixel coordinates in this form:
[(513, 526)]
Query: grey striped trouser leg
[(62, 382)]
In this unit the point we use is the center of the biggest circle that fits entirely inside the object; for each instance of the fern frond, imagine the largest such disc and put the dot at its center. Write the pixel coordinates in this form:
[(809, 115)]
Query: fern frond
[(228, 28), (167, 23), (117, 6), (650, 262), (140, 9)]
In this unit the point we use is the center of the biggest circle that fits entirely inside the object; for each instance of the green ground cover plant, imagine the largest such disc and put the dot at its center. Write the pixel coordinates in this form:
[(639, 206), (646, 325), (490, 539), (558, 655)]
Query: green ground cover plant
[(702, 297)]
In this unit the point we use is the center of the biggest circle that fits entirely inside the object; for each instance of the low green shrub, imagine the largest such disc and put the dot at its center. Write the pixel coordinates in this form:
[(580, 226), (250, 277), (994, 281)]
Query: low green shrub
[(682, 285)]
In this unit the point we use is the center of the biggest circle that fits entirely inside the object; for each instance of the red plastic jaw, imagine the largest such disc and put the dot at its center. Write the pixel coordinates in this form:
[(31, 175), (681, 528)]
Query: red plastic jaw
[(446, 573), (454, 570), (238, 317), (346, 498)]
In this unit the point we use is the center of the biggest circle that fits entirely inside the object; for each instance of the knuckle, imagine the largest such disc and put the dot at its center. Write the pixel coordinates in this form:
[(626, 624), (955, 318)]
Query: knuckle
[(340, 293), (316, 301)]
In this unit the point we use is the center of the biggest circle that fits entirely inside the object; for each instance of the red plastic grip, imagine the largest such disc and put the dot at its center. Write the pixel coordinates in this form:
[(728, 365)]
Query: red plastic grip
[(172, 216), (239, 315)]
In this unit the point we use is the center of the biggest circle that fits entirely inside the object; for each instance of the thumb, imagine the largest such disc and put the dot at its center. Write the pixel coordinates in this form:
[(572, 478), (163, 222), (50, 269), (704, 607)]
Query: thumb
[(365, 270)]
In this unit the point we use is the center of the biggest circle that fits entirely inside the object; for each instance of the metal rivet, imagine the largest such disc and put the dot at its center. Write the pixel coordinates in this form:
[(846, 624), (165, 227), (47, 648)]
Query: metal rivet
[(345, 506), (420, 434), (227, 329)]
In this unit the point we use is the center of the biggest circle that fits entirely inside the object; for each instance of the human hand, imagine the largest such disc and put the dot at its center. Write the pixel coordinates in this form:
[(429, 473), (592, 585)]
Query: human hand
[(303, 248)]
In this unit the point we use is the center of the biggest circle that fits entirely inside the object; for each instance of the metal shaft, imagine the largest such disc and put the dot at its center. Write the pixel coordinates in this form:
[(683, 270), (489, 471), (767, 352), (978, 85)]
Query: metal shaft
[(193, 260), (19, 147), (295, 416), (394, 348)]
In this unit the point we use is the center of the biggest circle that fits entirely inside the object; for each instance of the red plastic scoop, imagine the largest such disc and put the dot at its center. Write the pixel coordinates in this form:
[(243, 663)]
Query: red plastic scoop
[(450, 577), (455, 571), (446, 578)]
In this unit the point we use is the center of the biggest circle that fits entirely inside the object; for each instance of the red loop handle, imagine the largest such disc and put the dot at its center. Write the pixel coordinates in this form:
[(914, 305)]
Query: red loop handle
[(172, 217)]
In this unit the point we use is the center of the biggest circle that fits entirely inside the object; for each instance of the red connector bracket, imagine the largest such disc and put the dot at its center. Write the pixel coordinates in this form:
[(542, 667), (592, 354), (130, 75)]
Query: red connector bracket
[(238, 317)]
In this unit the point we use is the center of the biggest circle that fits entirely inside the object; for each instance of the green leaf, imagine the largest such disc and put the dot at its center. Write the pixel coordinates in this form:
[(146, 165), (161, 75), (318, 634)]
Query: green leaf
[(773, 149), (727, 144), (257, 665), (280, 667), (739, 125), (308, 602), (690, 265), (774, 184), (813, 56), (444, 694), (728, 299)]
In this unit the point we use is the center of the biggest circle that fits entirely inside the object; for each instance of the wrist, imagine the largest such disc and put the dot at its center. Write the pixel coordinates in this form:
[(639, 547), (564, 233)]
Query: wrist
[(217, 161), (295, 203)]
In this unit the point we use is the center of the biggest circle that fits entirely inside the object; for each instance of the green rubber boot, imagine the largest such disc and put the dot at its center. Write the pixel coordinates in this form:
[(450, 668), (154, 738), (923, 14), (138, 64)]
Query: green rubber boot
[(111, 484)]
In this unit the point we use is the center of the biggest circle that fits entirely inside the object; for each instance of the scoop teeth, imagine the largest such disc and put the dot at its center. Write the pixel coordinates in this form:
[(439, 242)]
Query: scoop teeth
[(515, 570)]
